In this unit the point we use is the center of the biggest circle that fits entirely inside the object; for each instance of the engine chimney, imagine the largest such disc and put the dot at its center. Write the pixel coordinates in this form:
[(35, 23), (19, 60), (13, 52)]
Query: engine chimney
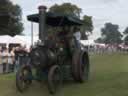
[(42, 22)]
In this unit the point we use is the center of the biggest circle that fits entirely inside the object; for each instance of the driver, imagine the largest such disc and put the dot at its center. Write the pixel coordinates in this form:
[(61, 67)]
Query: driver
[(64, 40), (77, 33)]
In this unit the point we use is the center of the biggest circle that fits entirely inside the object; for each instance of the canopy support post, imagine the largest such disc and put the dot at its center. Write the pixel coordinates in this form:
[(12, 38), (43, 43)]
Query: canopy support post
[(32, 33)]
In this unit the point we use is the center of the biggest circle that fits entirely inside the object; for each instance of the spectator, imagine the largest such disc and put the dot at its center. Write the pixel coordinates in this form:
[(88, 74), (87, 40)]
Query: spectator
[(16, 52), (0, 55), (13, 54), (1, 60), (5, 60), (11, 60)]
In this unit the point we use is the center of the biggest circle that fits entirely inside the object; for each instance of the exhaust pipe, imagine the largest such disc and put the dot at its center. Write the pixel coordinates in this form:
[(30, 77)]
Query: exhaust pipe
[(42, 23)]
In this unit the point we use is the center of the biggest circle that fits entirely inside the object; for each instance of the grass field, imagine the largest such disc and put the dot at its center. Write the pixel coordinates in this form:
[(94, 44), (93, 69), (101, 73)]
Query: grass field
[(108, 77)]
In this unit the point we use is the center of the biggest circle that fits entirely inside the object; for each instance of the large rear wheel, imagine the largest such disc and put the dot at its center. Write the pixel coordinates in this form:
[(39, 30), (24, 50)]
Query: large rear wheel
[(80, 66)]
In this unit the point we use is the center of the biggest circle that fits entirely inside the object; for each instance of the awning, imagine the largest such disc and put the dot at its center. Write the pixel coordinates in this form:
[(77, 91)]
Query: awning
[(54, 19), (10, 40)]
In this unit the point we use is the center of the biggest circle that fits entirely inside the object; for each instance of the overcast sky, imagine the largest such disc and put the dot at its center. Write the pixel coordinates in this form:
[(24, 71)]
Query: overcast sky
[(102, 11)]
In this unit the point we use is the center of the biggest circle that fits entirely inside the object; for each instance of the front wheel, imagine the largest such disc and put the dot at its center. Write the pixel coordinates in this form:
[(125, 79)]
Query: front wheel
[(54, 78), (23, 78)]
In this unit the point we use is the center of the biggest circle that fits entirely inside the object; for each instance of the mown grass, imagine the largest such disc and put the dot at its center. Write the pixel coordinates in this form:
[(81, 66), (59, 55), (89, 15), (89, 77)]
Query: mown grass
[(108, 77)]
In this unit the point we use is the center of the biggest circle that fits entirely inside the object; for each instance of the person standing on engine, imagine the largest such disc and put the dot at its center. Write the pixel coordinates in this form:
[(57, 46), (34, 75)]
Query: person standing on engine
[(77, 33), (77, 36)]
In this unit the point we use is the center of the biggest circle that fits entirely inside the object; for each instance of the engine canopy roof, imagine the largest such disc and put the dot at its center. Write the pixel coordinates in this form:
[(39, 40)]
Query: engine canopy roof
[(55, 19)]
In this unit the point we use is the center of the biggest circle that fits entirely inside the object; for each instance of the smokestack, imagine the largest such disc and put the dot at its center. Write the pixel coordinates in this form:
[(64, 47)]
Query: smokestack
[(42, 22)]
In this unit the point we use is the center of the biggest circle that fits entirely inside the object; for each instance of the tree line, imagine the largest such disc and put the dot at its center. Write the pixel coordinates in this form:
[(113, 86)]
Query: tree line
[(14, 25), (110, 34), (11, 24)]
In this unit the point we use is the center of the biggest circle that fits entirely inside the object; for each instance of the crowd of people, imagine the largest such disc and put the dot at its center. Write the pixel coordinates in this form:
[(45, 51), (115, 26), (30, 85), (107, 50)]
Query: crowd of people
[(8, 58), (107, 49)]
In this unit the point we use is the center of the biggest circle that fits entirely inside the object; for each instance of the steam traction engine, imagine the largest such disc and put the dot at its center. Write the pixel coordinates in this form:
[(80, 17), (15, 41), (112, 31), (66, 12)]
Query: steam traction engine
[(53, 61)]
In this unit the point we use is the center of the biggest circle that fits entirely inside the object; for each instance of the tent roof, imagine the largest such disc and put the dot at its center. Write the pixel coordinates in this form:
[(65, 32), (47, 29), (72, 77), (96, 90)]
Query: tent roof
[(54, 19), (87, 42), (8, 39)]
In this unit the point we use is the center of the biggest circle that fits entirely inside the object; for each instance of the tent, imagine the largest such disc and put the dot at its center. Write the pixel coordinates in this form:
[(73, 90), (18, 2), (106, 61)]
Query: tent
[(27, 39), (18, 39), (87, 42), (6, 39)]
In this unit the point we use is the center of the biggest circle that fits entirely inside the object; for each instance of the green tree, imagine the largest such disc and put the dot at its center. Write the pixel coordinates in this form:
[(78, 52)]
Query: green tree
[(87, 26), (71, 9), (66, 8), (110, 34), (99, 40), (126, 36), (126, 40), (13, 24), (126, 31)]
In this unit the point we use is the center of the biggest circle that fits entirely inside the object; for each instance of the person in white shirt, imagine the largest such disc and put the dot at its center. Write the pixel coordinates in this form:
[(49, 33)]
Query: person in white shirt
[(77, 33), (5, 60)]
